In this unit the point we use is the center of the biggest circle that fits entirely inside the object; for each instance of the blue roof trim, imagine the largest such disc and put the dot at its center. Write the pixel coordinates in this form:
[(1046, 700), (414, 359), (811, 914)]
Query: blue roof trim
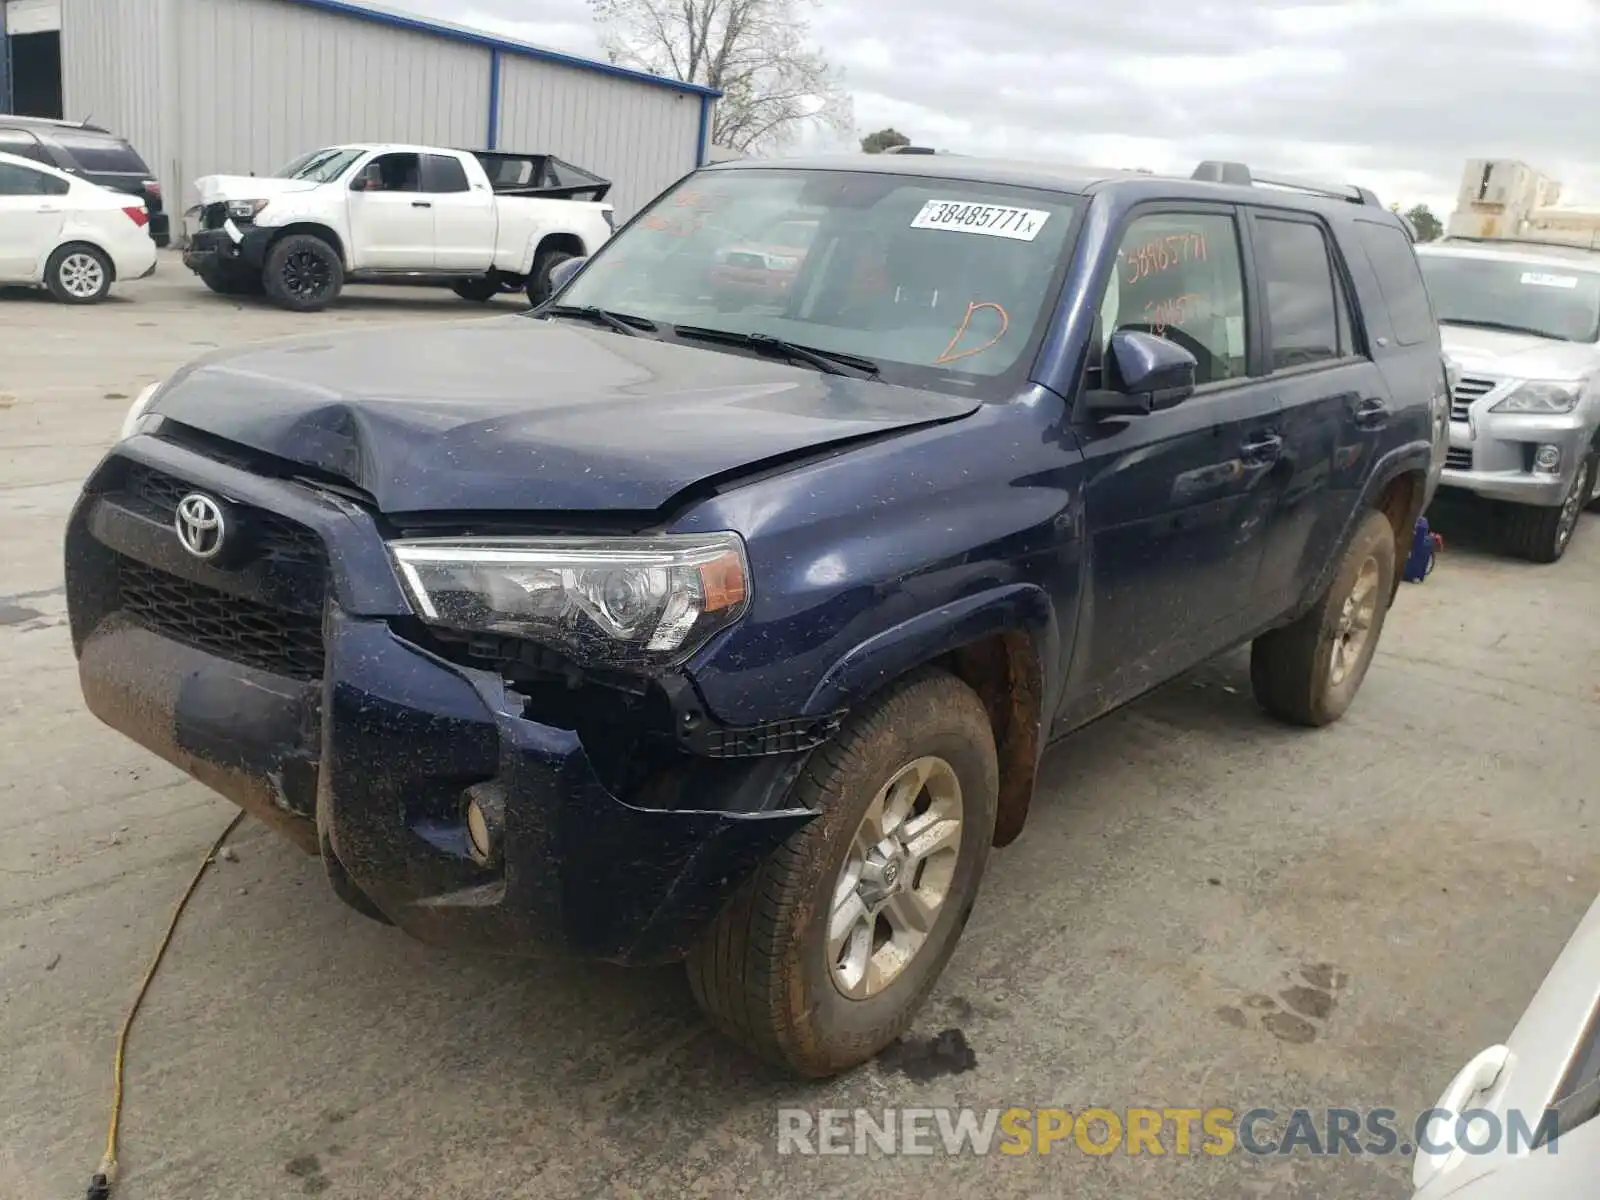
[(489, 41), (704, 145)]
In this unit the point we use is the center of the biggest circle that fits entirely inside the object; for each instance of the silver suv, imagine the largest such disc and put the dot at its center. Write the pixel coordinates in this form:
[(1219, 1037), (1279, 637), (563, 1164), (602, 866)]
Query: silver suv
[(1521, 324)]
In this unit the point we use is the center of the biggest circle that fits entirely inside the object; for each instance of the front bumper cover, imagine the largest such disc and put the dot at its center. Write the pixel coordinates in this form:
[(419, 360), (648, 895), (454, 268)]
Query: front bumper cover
[(1499, 448), (370, 764)]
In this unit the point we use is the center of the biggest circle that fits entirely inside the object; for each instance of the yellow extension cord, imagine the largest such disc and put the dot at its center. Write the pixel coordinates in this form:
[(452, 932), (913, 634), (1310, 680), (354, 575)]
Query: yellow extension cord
[(100, 1185)]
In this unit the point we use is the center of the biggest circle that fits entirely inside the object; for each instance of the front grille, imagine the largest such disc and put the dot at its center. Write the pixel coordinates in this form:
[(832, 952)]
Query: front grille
[(1458, 460), (242, 631), (155, 494), (213, 216), (1467, 390)]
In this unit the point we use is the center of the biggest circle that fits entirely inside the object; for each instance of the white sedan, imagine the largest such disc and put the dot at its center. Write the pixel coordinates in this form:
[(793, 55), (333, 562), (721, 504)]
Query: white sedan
[(71, 236), (1545, 1078)]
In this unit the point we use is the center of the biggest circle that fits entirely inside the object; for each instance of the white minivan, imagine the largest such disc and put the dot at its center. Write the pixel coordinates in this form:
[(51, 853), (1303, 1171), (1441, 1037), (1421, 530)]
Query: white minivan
[(68, 235)]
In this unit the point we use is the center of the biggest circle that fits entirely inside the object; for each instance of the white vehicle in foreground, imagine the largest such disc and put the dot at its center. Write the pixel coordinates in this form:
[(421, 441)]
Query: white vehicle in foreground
[(71, 236), (1550, 1063), (479, 222)]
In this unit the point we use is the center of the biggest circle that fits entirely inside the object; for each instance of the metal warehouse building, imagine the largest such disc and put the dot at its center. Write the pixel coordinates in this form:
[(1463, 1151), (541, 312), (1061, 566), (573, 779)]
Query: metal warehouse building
[(205, 87)]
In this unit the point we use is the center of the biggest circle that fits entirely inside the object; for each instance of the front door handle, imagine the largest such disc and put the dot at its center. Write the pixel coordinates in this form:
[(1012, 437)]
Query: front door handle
[(1261, 450), (422, 204), (1371, 413)]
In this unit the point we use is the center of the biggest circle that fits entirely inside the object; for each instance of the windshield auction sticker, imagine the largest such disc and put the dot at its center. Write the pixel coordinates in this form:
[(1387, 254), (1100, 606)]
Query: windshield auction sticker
[(995, 220), (1537, 279)]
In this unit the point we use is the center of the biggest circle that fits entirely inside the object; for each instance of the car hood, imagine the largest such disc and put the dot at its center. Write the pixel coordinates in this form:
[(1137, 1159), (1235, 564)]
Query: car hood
[(248, 187), (522, 414), (1520, 355)]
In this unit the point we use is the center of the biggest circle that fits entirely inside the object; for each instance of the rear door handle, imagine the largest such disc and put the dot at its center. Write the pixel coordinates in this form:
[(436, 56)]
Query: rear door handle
[(422, 204), (1371, 413), (1261, 450)]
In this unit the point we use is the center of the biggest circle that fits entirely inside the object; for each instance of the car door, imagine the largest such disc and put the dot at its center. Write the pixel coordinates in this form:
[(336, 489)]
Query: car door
[(391, 221), (32, 212), (1175, 500), (463, 215), (1334, 399), (1543, 1081)]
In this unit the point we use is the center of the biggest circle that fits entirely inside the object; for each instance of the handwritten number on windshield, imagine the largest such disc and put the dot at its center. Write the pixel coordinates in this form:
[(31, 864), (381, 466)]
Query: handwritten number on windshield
[(950, 354)]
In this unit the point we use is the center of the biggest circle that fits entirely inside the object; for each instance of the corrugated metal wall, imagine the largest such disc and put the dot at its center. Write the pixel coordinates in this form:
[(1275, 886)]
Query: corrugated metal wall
[(205, 87), (640, 137)]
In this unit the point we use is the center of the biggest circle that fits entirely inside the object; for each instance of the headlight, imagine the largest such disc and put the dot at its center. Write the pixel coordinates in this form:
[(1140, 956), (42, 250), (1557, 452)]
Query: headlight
[(624, 602), (245, 210), (1540, 398), (136, 410)]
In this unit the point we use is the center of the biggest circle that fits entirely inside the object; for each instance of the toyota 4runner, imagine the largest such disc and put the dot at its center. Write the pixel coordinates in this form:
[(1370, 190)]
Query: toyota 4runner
[(645, 628)]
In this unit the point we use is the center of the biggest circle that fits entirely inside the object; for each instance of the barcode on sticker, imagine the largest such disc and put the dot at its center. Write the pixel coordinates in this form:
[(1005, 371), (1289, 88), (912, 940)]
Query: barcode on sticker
[(994, 220), (1537, 279)]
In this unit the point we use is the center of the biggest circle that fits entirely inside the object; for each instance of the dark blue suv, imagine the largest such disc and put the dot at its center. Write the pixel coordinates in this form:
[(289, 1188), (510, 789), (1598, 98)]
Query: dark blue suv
[(721, 608)]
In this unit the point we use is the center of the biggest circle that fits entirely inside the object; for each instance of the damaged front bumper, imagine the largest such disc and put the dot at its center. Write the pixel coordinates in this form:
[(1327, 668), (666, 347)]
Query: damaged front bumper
[(281, 679)]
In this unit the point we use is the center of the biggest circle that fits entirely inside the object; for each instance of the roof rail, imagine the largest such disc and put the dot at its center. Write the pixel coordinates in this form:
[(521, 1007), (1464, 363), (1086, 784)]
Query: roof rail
[(911, 150), (1237, 174)]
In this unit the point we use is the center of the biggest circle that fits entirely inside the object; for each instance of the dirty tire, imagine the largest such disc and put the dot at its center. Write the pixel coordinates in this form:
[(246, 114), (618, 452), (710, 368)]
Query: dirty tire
[(1292, 669), (479, 291), (1542, 535), (539, 281), (302, 273), (232, 283), (1594, 483), (761, 970), (78, 273)]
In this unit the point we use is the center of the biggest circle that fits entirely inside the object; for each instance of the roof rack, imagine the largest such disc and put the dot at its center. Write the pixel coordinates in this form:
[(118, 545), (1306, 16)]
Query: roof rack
[(1237, 174), (911, 150)]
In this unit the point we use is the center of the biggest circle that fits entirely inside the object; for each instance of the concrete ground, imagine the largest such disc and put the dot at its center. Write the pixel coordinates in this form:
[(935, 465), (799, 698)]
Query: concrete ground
[(1192, 873)]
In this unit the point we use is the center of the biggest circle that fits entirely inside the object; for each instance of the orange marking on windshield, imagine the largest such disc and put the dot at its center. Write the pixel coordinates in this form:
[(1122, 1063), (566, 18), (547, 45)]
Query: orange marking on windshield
[(973, 307)]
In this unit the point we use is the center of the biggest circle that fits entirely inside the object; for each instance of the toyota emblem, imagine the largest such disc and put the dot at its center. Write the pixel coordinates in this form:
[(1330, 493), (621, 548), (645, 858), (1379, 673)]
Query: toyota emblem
[(201, 526)]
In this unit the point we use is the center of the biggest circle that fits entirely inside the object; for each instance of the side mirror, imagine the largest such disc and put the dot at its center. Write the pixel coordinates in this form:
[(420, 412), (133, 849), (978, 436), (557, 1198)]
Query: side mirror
[(563, 271), (1143, 374)]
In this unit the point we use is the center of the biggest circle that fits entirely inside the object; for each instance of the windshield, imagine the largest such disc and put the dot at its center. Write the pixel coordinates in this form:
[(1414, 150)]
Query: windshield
[(1557, 302), (320, 166), (940, 283)]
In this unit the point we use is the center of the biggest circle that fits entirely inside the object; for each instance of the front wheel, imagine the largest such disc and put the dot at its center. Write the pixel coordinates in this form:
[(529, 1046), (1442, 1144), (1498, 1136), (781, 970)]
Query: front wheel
[(1307, 673), (302, 273), (539, 288), (1542, 535), (78, 274), (1594, 486), (825, 954)]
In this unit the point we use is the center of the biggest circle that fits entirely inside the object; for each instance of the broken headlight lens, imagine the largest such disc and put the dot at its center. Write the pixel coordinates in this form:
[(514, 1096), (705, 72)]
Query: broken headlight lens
[(1540, 398), (617, 602)]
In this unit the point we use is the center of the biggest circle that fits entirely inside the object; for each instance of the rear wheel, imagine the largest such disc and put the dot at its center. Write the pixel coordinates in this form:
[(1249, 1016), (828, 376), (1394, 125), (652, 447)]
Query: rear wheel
[(1307, 673), (539, 288), (78, 274), (1542, 535), (302, 273), (825, 954), (1594, 486), (480, 290)]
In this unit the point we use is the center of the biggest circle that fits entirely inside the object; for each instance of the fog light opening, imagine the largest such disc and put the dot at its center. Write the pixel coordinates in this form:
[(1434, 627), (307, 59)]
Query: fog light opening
[(1547, 460), (478, 835)]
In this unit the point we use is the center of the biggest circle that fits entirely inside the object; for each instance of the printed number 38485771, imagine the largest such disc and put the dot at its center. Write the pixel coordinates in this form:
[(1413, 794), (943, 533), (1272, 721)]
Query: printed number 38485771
[(1163, 254)]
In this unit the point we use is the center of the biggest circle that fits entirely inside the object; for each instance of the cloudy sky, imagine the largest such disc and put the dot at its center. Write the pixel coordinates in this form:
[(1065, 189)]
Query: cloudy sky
[(1395, 94)]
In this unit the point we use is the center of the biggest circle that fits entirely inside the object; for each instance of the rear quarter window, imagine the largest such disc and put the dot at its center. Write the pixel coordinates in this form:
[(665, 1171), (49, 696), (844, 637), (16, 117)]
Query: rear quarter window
[(101, 154), (1394, 262)]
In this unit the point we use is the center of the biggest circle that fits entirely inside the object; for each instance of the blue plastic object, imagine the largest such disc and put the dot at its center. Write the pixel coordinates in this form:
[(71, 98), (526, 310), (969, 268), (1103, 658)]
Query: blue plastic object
[(1424, 545)]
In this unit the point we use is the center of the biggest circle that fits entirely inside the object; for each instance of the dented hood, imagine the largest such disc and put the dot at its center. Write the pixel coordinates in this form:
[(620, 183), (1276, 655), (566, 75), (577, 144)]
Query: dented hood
[(520, 414)]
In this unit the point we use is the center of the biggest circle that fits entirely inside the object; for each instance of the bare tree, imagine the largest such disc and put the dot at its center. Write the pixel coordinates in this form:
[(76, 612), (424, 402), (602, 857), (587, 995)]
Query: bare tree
[(756, 52)]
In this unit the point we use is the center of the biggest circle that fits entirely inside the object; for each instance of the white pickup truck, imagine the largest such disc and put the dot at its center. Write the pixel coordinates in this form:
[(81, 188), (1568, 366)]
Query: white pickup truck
[(479, 222)]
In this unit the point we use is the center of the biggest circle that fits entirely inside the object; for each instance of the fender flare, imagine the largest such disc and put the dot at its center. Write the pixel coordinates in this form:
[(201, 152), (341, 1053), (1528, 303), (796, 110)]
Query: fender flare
[(1412, 456), (530, 252), (893, 652)]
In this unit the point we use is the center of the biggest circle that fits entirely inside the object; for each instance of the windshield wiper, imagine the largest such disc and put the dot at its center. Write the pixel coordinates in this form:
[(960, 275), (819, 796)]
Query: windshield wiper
[(1504, 327), (828, 361), (622, 322)]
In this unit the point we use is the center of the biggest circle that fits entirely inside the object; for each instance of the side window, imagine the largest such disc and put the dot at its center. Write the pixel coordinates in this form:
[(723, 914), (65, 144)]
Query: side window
[(1178, 275), (20, 181), (389, 173), (441, 173), (23, 144), (1307, 313), (1400, 280)]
